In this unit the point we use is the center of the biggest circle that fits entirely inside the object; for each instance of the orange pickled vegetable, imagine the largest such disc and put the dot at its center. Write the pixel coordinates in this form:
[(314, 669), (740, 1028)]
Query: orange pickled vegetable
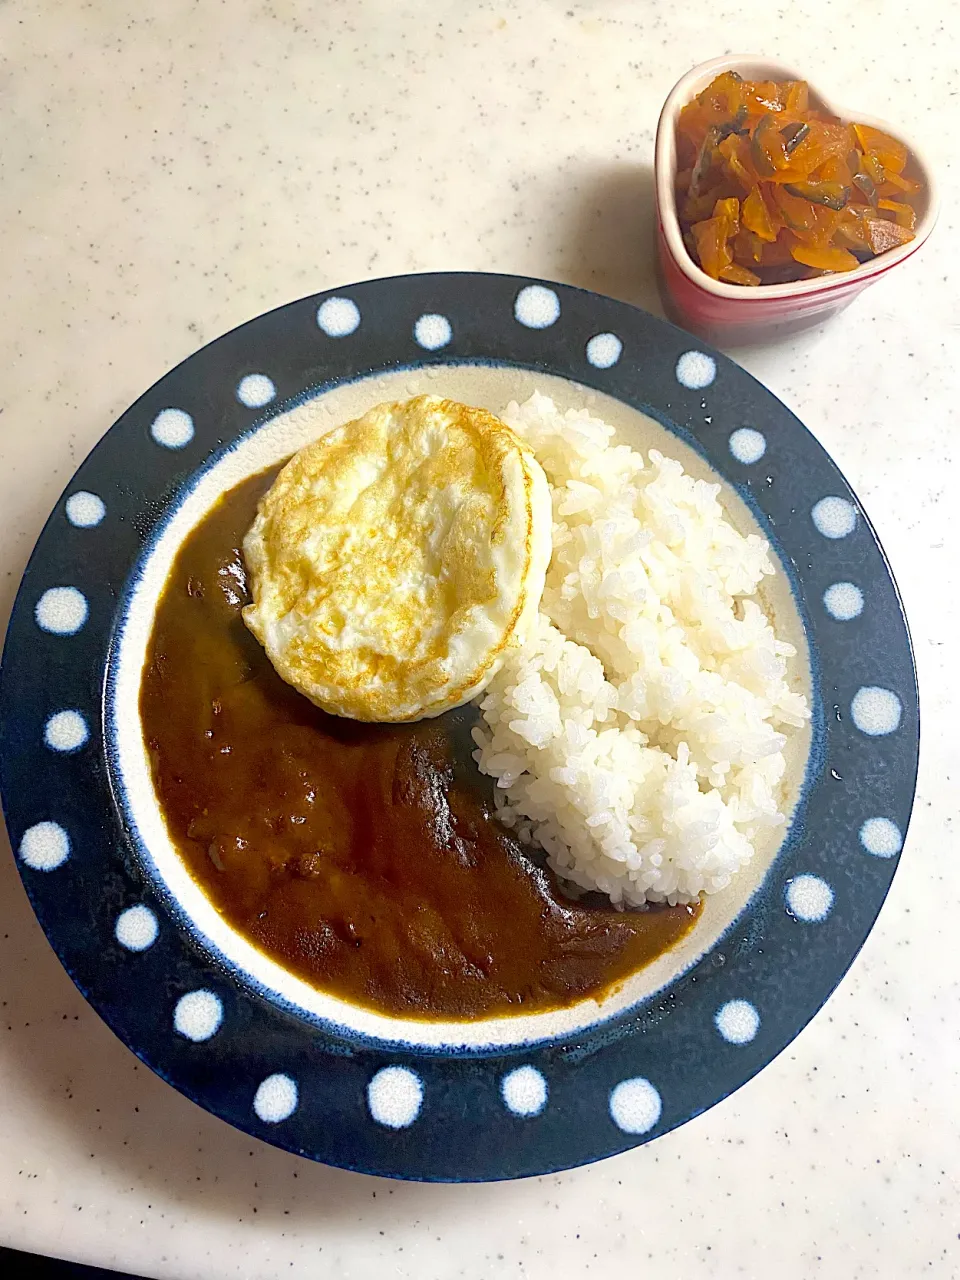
[(735, 274), (873, 168), (756, 216), (729, 209), (761, 96), (747, 248), (798, 214), (723, 95), (822, 234), (769, 150), (891, 153), (696, 210), (882, 234), (906, 185), (836, 170), (824, 259), (735, 151), (797, 95), (905, 214), (770, 189), (713, 251), (851, 232), (830, 194)]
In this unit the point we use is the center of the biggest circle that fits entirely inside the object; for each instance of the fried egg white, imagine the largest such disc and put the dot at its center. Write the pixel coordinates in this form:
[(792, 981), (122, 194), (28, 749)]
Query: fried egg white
[(395, 560)]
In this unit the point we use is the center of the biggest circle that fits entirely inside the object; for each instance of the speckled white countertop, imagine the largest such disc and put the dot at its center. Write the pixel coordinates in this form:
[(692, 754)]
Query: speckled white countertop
[(171, 170)]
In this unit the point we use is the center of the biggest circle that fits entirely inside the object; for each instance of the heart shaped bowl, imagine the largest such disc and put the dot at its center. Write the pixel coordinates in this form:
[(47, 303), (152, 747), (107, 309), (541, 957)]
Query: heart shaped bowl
[(725, 312)]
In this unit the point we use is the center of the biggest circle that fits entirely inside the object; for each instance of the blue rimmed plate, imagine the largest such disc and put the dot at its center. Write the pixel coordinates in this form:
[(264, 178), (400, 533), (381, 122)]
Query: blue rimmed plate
[(226, 1026)]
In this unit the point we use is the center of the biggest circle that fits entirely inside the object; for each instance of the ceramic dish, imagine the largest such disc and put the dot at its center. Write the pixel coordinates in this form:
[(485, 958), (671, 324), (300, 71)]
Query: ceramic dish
[(715, 308), (230, 1028)]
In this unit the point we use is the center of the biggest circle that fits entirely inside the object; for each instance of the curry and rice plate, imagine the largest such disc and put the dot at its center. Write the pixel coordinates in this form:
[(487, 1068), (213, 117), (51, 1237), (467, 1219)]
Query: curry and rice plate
[(620, 756)]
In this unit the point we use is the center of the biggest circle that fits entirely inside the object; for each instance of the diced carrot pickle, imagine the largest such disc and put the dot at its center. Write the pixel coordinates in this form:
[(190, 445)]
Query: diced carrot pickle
[(770, 189)]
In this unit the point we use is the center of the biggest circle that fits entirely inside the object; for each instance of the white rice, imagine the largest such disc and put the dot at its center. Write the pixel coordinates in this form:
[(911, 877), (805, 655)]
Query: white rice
[(638, 734)]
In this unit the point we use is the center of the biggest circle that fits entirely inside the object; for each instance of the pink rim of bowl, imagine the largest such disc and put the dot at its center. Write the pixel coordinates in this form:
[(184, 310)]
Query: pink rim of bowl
[(714, 307)]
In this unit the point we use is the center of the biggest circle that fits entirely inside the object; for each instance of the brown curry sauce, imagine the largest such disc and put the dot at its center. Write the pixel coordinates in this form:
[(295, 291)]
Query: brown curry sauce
[(364, 858)]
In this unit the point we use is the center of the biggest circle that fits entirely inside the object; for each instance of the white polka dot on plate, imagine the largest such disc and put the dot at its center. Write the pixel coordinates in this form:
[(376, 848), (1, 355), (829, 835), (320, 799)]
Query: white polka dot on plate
[(394, 1097), (876, 711), (276, 1099), (198, 1015), (173, 428), (881, 837), (537, 307), (136, 928), (747, 445), (432, 332), (834, 517), (696, 370), (255, 390), (635, 1105), (737, 1021), (45, 846), (809, 898), (84, 510), (524, 1091), (62, 611), (843, 601), (338, 317), (603, 350), (66, 731)]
